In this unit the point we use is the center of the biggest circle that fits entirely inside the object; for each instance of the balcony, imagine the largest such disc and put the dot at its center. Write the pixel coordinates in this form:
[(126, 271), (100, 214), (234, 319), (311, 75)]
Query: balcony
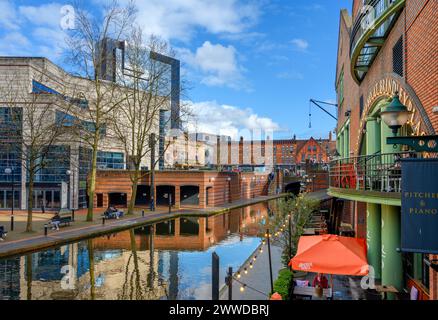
[(370, 30), (372, 178)]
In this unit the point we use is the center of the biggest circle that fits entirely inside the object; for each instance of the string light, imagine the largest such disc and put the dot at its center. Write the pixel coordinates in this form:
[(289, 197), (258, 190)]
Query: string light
[(242, 288), (238, 275), (245, 271), (261, 250), (250, 265), (255, 258)]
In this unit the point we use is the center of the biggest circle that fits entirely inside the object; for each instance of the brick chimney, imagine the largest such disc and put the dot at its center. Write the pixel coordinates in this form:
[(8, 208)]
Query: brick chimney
[(330, 135)]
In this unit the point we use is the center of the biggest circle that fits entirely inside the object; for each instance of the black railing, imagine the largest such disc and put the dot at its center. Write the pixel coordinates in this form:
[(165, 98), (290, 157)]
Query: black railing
[(377, 172)]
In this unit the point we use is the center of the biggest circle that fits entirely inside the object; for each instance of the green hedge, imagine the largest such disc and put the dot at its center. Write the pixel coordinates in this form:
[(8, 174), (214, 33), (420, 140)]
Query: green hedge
[(283, 283)]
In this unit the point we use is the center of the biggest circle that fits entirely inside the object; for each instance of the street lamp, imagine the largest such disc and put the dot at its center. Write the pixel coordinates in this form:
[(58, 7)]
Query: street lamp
[(68, 173), (11, 172), (396, 114)]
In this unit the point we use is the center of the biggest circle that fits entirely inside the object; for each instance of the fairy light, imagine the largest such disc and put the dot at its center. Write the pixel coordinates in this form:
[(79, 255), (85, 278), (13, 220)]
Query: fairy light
[(245, 270), (242, 288), (250, 265), (239, 275), (255, 258)]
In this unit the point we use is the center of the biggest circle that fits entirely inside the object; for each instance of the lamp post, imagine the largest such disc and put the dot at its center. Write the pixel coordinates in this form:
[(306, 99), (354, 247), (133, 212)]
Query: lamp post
[(11, 172), (396, 115), (71, 204)]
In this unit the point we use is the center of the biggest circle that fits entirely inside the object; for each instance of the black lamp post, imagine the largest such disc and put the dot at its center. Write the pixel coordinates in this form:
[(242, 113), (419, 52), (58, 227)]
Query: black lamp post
[(396, 115), (11, 172)]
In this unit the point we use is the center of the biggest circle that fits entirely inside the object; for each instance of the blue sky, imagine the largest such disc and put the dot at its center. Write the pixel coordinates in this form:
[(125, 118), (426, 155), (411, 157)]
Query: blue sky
[(250, 64)]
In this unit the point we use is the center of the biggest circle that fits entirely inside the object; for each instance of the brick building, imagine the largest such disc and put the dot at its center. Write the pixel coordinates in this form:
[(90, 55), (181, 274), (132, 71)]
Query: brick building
[(384, 48)]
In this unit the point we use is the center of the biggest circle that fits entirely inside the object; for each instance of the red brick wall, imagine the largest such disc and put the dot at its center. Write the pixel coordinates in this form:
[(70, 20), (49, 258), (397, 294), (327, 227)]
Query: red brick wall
[(242, 185), (422, 53)]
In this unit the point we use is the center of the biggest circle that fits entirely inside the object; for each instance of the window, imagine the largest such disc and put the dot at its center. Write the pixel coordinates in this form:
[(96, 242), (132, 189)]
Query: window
[(110, 160), (39, 88), (340, 89), (360, 106), (397, 57)]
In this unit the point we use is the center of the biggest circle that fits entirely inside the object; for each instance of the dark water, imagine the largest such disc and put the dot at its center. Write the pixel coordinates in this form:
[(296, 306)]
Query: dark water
[(171, 260)]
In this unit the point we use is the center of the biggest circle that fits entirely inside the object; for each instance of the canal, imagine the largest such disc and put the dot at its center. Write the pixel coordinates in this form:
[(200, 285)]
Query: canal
[(167, 260)]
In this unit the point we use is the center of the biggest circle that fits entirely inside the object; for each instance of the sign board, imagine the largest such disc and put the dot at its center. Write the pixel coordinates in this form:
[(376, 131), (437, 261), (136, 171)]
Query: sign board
[(419, 206)]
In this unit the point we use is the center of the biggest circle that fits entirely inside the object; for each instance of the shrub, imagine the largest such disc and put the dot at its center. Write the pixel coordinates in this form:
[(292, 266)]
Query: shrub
[(283, 283)]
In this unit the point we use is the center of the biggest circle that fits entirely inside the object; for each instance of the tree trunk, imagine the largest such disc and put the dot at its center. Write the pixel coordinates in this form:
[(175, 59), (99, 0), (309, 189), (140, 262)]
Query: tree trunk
[(92, 183), (30, 199), (134, 180)]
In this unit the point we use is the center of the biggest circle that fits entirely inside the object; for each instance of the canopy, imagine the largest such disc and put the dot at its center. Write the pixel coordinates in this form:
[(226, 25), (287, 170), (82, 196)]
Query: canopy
[(331, 254)]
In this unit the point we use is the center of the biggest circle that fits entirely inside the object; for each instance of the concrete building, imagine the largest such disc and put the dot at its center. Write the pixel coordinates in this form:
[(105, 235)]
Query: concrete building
[(63, 182), (385, 48)]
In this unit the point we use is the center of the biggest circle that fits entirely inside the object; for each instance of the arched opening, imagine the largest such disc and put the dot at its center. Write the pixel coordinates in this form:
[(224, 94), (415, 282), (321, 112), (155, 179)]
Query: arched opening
[(189, 195), (166, 228), (117, 199), (209, 196), (189, 226), (143, 196), (163, 193)]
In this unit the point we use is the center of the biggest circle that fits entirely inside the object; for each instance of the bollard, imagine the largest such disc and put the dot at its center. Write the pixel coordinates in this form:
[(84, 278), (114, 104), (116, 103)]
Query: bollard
[(12, 223), (73, 215), (142, 213), (103, 221), (45, 229)]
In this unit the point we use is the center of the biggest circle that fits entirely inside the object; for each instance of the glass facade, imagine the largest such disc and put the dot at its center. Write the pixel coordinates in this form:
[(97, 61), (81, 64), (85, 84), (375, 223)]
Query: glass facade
[(54, 165)]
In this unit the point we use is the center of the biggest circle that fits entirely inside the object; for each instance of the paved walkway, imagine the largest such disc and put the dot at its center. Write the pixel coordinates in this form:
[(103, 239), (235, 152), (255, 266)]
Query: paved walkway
[(19, 242), (258, 277)]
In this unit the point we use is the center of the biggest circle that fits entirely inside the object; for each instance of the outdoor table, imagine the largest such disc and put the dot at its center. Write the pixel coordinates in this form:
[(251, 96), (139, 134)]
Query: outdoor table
[(385, 290), (310, 292)]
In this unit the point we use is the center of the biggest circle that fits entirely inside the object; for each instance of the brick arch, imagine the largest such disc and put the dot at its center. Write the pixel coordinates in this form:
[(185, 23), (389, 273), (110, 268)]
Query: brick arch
[(385, 88)]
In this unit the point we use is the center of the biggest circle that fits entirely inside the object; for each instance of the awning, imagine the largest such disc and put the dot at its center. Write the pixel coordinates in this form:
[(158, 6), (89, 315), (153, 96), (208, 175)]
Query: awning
[(331, 254)]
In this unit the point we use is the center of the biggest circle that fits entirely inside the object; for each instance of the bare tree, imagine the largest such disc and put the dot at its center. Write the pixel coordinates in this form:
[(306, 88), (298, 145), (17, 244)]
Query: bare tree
[(31, 130), (88, 48), (146, 88)]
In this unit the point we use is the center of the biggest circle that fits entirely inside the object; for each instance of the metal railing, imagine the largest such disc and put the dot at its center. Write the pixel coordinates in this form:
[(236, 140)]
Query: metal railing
[(377, 172)]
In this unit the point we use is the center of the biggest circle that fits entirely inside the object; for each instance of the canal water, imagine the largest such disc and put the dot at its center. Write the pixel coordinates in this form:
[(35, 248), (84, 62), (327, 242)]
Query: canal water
[(168, 260)]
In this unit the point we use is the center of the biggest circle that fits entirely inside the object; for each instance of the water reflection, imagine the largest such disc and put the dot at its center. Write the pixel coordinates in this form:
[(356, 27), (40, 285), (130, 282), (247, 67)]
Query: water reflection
[(168, 260)]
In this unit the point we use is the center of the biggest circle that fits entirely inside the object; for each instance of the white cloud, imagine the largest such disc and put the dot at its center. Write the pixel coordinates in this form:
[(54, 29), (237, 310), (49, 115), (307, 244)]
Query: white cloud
[(290, 75), (300, 44), (177, 19), (14, 43), (8, 16), (46, 14), (215, 118), (218, 64)]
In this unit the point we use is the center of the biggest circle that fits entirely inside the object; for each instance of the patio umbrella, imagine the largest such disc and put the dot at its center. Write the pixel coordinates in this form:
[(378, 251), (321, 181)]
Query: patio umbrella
[(331, 254)]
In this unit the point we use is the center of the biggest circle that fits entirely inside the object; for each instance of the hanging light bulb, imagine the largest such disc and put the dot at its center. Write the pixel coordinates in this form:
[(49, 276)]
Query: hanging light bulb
[(242, 288), (245, 271), (250, 265), (239, 275), (255, 258), (261, 250)]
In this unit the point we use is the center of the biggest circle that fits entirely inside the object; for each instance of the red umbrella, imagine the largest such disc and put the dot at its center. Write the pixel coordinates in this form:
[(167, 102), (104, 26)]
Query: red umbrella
[(331, 254)]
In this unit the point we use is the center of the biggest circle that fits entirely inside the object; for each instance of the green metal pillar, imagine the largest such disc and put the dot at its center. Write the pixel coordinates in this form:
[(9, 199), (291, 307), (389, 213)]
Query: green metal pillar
[(341, 144), (346, 142), (392, 266), (374, 241)]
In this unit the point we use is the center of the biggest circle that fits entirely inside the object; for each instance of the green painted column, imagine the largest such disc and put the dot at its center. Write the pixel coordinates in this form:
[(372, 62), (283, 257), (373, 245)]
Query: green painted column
[(392, 267), (373, 136), (346, 142), (341, 144), (374, 240)]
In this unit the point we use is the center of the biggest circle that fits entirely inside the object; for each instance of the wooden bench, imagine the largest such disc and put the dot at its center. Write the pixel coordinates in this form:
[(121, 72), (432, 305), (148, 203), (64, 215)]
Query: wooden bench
[(112, 215), (65, 218)]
